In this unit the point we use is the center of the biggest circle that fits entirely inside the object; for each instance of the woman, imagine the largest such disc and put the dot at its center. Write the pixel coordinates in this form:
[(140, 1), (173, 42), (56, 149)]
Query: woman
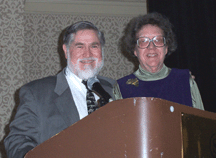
[(150, 38)]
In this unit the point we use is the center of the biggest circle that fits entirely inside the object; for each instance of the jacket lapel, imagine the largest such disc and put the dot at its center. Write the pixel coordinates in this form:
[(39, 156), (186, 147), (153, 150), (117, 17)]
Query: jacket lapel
[(65, 102), (107, 86)]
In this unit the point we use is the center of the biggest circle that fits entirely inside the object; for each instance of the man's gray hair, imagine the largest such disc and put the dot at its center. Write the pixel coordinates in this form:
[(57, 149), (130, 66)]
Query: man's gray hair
[(81, 25)]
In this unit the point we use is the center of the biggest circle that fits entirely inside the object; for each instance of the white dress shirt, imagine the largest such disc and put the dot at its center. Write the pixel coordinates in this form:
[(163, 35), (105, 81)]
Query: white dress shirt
[(78, 90)]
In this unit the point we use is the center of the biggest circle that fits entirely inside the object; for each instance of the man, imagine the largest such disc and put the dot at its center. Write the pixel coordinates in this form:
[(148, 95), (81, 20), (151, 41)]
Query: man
[(49, 105)]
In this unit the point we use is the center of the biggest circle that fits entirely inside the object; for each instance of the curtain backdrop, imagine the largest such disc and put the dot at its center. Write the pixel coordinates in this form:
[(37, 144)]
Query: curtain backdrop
[(194, 25)]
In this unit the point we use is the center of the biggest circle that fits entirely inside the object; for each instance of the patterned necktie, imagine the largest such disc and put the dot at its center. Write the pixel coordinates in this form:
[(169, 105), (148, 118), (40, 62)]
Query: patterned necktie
[(90, 99)]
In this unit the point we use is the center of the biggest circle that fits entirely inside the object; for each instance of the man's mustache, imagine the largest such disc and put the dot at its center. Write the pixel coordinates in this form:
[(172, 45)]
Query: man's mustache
[(90, 58)]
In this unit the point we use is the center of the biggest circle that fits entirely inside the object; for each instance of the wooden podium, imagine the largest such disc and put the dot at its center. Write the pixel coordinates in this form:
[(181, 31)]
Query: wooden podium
[(136, 128)]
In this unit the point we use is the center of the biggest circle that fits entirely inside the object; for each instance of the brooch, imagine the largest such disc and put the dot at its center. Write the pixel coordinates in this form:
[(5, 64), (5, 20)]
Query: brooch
[(133, 81)]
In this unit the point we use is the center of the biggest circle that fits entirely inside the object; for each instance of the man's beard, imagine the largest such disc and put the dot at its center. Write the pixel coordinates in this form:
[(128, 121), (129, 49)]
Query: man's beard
[(88, 71)]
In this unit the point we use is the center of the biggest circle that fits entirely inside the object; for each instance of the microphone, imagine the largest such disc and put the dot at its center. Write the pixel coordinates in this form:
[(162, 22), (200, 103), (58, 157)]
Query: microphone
[(94, 85)]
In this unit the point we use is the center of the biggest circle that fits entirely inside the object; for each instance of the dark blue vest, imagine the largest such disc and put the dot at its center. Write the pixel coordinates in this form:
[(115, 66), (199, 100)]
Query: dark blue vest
[(175, 87)]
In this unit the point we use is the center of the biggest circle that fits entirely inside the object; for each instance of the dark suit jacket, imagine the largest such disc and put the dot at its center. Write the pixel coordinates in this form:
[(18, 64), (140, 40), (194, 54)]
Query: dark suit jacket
[(46, 108)]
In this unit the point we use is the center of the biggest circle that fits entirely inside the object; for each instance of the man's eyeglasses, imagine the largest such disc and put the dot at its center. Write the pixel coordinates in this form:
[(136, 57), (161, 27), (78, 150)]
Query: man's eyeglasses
[(144, 42)]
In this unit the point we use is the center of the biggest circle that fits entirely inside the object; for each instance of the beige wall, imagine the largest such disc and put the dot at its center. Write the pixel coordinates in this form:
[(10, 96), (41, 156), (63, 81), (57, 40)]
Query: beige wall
[(89, 7), (29, 41)]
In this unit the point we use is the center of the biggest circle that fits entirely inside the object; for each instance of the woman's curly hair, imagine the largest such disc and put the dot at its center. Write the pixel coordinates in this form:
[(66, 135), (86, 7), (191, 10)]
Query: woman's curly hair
[(129, 40)]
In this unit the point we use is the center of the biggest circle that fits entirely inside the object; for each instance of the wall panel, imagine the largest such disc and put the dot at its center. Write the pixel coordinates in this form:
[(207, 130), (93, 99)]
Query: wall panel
[(11, 64)]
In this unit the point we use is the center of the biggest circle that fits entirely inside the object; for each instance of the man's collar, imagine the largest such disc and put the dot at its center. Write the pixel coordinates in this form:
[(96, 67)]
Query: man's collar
[(71, 75)]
